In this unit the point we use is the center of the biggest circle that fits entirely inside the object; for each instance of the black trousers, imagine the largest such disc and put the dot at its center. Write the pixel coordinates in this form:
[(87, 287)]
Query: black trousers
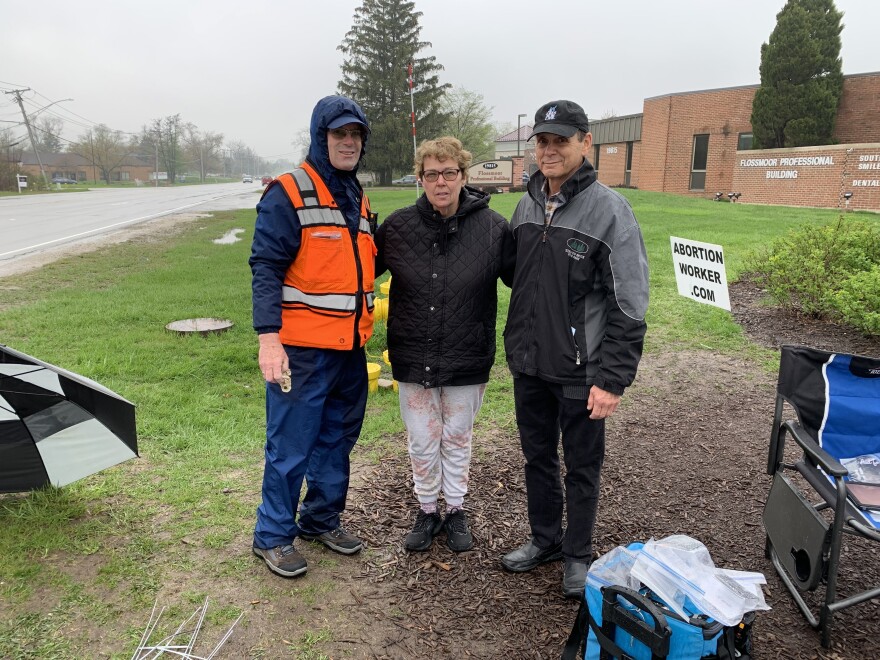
[(542, 412)]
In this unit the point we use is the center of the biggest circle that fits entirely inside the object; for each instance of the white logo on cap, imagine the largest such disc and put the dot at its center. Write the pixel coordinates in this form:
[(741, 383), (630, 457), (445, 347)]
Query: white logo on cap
[(551, 114)]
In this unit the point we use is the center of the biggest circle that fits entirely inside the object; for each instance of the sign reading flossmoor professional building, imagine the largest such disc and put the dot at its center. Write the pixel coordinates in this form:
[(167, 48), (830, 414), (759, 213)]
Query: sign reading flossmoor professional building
[(491, 173)]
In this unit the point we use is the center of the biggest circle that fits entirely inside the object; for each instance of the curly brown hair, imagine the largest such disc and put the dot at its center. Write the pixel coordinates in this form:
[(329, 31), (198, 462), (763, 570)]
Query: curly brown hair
[(443, 148)]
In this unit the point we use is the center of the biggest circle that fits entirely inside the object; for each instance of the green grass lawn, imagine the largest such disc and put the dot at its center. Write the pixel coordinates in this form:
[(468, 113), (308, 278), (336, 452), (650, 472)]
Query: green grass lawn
[(200, 402)]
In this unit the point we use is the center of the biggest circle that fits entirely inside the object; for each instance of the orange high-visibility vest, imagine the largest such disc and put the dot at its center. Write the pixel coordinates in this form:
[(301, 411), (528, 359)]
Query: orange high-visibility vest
[(327, 299)]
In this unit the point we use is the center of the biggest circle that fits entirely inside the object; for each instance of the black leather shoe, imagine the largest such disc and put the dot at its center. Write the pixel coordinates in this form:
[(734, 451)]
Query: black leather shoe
[(528, 556), (574, 578)]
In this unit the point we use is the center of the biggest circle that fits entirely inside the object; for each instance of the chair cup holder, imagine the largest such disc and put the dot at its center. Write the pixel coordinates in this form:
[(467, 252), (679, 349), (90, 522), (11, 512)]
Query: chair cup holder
[(797, 533)]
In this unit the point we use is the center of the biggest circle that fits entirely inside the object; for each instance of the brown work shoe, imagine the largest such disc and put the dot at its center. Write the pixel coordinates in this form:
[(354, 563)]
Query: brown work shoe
[(338, 540), (284, 560)]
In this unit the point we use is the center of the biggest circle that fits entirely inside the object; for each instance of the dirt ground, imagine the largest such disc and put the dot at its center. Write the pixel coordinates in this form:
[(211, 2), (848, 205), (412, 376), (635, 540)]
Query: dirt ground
[(686, 453)]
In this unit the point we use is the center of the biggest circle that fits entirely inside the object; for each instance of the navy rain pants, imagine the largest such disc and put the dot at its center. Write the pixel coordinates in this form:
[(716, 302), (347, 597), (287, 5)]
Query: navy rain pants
[(310, 432)]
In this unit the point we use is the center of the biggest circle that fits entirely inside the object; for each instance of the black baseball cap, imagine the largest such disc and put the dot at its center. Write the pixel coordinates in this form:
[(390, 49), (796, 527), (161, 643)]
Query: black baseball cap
[(563, 118)]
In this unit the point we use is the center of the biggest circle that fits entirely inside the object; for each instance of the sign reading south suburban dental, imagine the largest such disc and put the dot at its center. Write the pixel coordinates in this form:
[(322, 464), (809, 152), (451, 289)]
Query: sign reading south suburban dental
[(699, 272), (869, 162)]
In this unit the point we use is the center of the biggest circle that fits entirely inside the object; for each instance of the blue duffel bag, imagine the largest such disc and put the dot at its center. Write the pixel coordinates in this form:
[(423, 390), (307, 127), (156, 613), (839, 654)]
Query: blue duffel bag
[(617, 622)]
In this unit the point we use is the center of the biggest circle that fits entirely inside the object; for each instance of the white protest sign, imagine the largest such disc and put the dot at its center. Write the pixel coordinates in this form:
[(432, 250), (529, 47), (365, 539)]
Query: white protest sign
[(699, 272)]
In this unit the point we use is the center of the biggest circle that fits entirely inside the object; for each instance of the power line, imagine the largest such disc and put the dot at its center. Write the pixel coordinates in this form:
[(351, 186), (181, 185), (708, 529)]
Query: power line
[(17, 94)]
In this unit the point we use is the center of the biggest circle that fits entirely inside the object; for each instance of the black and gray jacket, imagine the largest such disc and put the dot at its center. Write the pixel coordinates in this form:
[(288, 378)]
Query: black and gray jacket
[(443, 301), (577, 308)]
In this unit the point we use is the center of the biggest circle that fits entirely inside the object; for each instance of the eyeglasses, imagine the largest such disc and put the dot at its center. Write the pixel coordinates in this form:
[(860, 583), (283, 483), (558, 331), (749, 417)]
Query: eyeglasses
[(432, 175), (342, 133)]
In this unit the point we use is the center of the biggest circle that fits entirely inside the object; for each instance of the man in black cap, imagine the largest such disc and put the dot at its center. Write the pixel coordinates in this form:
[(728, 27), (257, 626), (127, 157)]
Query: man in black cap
[(574, 335)]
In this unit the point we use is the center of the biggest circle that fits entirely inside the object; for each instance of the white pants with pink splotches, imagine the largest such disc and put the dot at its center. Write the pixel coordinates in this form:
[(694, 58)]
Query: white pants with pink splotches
[(440, 424)]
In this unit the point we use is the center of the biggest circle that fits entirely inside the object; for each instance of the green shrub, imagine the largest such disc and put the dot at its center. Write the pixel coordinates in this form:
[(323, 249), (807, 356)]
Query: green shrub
[(858, 301), (806, 268)]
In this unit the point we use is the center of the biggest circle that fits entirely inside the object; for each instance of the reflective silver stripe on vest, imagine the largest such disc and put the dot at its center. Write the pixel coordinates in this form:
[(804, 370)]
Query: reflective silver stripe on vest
[(312, 213), (339, 302), (335, 301), (305, 185), (320, 216)]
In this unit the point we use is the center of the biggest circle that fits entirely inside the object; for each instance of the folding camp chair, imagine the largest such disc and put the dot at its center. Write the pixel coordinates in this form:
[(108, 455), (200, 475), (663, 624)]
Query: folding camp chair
[(836, 397)]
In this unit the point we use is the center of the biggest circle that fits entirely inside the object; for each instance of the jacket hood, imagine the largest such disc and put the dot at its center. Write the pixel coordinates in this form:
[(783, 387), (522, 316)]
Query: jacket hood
[(326, 110), (584, 177)]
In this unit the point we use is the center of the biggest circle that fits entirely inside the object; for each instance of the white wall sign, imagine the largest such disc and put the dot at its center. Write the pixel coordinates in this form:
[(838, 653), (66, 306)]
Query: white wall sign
[(699, 272)]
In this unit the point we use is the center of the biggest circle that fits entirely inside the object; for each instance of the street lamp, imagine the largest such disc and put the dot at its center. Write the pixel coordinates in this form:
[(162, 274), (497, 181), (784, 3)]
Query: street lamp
[(518, 117), (34, 114)]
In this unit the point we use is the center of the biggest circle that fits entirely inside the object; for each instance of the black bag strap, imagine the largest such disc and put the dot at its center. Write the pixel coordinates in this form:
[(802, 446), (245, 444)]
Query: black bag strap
[(577, 638), (655, 638)]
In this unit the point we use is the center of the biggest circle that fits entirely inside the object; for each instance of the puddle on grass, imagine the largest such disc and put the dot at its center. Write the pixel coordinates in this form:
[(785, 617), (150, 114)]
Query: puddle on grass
[(229, 237)]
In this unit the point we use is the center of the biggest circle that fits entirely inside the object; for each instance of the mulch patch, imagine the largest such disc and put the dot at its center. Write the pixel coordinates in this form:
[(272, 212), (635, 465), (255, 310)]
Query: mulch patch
[(686, 454)]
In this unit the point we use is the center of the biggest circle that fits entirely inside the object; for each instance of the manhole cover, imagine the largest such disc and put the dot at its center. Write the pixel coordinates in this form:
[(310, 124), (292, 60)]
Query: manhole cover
[(202, 326)]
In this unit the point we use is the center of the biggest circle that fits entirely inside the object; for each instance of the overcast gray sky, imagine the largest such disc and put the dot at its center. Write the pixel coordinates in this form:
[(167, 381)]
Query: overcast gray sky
[(253, 69)]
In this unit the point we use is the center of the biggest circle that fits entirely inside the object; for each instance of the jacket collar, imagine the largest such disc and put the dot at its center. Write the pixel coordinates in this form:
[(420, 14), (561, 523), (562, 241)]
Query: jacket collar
[(583, 178)]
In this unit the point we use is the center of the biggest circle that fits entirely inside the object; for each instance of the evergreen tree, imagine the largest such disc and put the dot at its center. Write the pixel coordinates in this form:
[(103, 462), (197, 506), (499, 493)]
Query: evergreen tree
[(801, 77), (379, 48)]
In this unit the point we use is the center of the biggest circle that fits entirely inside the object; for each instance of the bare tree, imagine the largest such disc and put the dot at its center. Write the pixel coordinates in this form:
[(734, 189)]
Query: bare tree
[(164, 136), (204, 149), (302, 141), (11, 149), (47, 134), (105, 148), (470, 121), (239, 153)]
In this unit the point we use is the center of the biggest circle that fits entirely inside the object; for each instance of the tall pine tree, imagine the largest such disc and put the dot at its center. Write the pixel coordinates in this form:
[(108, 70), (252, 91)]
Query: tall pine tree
[(378, 50), (801, 77)]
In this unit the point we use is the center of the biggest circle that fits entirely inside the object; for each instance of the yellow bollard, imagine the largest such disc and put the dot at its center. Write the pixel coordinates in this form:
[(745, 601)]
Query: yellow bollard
[(388, 362), (385, 287), (373, 371), (380, 309)]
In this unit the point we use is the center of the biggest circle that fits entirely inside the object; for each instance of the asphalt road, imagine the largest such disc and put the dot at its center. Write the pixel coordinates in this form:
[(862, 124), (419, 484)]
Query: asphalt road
[(31, 224)]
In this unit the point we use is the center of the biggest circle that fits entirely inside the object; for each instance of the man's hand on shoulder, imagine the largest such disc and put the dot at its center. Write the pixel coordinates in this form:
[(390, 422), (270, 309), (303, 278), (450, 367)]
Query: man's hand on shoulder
[(602, 404)]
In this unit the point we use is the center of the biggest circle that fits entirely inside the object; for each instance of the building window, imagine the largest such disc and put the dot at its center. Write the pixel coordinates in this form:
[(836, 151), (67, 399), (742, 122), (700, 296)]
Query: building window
[(597, 148), (744, 143), (698, 162), (629, 164)]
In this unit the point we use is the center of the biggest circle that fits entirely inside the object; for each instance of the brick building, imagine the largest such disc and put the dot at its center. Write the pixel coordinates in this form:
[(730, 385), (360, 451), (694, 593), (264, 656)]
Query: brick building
[(699, 144), (73, 166)]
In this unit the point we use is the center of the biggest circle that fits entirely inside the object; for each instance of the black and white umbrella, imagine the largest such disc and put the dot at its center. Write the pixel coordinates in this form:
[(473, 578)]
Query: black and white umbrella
[(56, 426)]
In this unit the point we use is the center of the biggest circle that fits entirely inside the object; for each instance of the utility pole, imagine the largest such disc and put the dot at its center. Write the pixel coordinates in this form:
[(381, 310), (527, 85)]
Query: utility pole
[(27, 123), (157, 157)]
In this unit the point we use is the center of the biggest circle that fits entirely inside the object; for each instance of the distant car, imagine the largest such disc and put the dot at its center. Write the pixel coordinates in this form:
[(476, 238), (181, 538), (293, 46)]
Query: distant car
[(266, 180), (405, 180), (62, 179), (247, 178)]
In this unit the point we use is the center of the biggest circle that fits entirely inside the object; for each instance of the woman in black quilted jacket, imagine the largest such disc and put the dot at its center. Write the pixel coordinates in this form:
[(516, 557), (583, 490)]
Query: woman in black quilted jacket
[(445, 254)]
